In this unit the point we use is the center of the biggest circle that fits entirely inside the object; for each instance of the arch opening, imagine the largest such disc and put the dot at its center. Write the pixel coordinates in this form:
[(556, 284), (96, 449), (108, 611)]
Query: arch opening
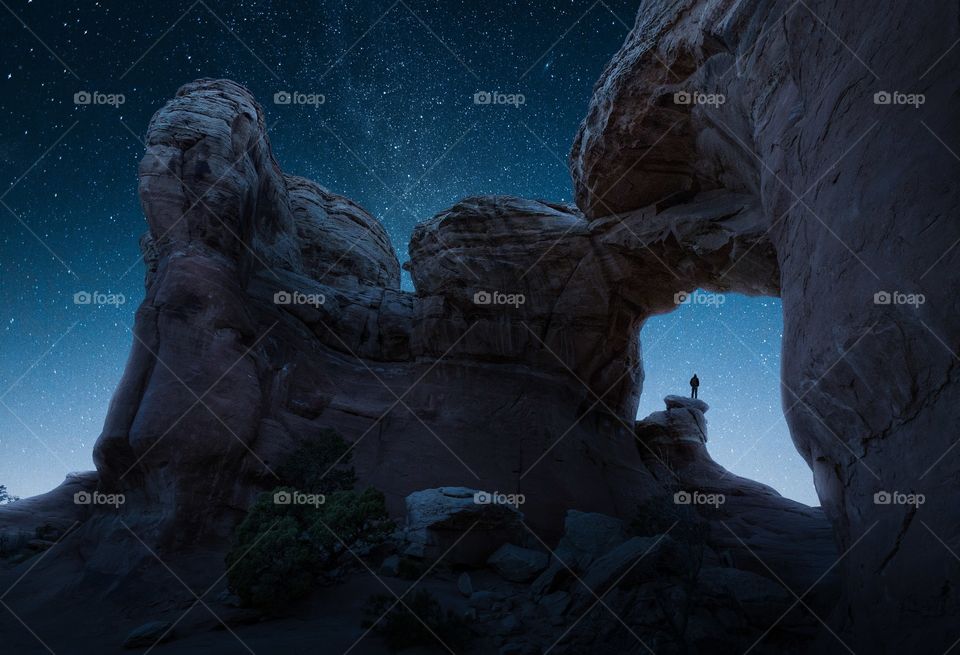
[(733, 343)]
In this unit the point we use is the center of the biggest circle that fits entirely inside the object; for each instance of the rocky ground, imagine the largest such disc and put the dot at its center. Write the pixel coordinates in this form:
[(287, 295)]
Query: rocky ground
[(707, 568)]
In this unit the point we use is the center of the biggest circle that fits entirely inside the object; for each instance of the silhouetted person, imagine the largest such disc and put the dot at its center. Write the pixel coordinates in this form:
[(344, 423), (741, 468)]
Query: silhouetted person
[(694, 385)]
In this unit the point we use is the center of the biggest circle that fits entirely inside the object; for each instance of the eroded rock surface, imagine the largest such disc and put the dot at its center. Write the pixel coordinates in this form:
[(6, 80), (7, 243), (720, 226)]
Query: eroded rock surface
[(273, 310), (857, 191)]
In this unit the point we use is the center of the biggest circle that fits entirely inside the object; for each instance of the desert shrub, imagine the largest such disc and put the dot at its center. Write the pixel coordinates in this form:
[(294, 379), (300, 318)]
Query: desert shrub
[(309, 468), (404, 628), (281, 548), (272, 564)]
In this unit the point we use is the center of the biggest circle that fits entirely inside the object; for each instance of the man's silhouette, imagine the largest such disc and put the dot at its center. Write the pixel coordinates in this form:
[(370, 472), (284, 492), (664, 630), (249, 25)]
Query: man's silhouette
[(694, 385)]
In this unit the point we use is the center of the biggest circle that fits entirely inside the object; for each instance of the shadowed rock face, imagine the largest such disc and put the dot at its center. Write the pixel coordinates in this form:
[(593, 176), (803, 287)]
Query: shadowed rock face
[(858, 198), (515, 366), (273, 312), (755, 524)]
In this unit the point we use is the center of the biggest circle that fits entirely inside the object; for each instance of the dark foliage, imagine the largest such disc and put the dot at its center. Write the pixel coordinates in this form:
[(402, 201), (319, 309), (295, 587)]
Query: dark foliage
[(419, 620), (283, 546)]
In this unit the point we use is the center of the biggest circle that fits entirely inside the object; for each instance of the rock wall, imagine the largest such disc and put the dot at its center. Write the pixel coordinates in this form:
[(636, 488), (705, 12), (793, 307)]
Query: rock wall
[(273, 312), (855, 181)]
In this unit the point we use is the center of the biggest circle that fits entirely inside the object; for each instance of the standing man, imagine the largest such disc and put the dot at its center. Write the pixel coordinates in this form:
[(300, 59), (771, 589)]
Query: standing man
[(694, 385)]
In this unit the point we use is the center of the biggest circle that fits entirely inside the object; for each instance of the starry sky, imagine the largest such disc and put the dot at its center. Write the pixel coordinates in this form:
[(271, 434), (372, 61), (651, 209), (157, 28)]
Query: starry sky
[(398, 131)]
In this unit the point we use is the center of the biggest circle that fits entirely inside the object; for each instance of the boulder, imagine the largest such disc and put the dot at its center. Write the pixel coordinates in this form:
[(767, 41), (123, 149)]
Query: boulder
[(518, 564), (465, 584), (761, 599), (149, 634), (451, 518), (632, 562), (555, 604), (591, 534), (682, 402), (682, 423)]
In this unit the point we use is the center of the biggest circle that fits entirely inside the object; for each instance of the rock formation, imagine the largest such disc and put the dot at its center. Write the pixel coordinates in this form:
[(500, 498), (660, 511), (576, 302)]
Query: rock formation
[(806, 108), (273, 312)]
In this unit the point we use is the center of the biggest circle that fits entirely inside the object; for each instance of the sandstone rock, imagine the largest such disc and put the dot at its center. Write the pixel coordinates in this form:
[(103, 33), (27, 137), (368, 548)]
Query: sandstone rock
[(556, 574), (518, 564), (449, 518), (555, 604), (509, 625), (330, 353), (591, 533), (682, 402), (483, 600), (635, 560), (682, 422), (149, 634), (799, 185), (754, 526), (802, 133), (465, 584), (51, 515), (761, 599)]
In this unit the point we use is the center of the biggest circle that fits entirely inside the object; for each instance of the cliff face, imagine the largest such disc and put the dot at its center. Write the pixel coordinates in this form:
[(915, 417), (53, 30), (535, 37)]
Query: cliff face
[(273, 312), (810, 109), (732, 146)]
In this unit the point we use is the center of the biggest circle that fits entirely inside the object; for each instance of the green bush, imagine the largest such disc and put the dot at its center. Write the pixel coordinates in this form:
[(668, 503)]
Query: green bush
[(404, 628), (320, 466), (281, 549)]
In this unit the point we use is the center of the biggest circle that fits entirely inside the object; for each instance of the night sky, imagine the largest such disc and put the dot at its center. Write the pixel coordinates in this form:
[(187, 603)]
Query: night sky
[(398, 131)]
